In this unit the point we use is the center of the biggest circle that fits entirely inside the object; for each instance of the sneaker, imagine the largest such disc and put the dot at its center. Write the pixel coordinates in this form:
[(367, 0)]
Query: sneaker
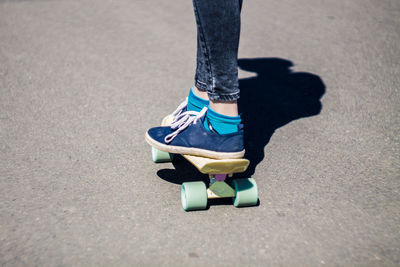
[(187, 135)]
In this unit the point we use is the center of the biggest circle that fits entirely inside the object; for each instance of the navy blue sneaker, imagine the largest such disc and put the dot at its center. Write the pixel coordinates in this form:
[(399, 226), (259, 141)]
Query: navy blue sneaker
[(187, 135)]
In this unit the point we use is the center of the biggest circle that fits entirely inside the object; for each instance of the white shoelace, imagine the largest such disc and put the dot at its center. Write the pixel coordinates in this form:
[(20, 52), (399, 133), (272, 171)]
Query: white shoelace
[(182, 121), (179, 109)]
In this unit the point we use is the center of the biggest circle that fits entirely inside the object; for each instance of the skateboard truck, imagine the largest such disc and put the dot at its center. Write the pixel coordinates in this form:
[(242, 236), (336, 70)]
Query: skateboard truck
[(218, 188), (195, 195)]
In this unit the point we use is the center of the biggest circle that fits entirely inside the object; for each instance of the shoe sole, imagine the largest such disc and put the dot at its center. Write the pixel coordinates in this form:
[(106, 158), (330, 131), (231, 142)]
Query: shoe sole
[(193, 151)]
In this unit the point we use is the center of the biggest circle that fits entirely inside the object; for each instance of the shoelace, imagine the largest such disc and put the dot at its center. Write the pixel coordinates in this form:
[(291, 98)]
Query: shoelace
[(179, 109), (182, 121)]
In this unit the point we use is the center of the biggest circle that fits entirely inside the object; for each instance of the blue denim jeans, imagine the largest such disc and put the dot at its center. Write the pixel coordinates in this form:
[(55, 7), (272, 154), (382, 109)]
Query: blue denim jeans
[(218, 31)]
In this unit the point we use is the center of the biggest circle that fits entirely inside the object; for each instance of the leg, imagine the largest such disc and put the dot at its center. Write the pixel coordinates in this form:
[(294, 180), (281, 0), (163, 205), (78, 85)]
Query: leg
[(220, 132), (218, 28)]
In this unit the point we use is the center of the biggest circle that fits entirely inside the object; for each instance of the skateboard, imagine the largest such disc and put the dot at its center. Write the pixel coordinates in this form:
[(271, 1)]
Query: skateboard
[(195, 195)]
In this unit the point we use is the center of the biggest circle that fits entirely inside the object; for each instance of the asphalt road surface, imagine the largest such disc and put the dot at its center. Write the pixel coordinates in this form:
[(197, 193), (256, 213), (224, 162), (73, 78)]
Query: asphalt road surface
[(82, 81)]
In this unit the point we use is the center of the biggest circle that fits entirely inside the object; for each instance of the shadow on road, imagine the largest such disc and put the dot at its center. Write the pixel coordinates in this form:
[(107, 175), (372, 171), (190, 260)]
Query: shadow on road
[(272, 99), (268, 101)]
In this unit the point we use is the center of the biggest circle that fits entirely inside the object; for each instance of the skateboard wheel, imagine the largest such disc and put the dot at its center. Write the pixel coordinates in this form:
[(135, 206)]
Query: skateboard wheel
[(246, 192), (160, 156), (194, 196)]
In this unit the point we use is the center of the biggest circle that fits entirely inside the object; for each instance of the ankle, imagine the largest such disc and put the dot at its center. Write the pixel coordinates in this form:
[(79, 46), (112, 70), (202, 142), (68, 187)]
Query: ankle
[(201, 94), (225, 108)]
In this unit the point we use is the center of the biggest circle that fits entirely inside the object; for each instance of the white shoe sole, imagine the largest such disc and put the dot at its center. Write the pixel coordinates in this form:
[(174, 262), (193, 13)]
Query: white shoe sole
[(193, 151)]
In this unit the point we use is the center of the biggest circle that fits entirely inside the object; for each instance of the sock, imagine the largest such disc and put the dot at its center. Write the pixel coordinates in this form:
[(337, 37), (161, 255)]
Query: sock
[(222, 124), (196, 103)]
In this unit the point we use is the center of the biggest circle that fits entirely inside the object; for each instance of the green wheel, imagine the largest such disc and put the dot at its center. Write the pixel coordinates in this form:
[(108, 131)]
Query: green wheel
[(246, 192), (160, 156), (194, 196)]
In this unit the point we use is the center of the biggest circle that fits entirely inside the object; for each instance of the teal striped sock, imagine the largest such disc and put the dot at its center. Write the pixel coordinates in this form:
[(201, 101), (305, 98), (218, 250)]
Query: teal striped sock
[(222, 124)]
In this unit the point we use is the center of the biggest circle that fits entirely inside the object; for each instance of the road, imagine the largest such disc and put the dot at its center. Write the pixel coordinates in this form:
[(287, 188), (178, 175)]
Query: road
[(82, 80)]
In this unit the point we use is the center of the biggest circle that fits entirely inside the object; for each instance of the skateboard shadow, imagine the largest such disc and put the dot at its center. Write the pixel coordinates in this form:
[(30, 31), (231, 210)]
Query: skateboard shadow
[(182, 172), (268, 101)]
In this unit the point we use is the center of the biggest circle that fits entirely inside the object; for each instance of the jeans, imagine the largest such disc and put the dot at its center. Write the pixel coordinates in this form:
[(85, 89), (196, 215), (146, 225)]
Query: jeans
[(218, 31)]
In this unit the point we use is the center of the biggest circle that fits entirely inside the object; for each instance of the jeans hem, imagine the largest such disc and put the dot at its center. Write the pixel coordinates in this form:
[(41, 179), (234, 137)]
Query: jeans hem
[(200, 85), (224, 98)]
